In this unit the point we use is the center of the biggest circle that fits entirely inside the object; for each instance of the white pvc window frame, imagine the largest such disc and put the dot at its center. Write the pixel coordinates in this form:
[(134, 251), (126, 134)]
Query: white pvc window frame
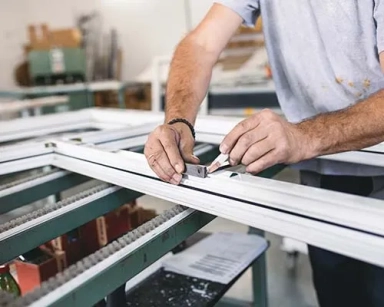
[(346, 224)]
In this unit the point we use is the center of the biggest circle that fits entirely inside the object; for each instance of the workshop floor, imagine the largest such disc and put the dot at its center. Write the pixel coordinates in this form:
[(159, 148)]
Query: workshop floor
[(286, 288)]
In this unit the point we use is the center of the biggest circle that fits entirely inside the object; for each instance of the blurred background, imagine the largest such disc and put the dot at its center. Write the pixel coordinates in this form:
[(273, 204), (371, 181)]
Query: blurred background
[(128, 43)]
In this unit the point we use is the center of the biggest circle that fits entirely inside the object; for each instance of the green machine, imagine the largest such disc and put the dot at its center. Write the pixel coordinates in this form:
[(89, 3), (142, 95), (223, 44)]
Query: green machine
[(58, 69)]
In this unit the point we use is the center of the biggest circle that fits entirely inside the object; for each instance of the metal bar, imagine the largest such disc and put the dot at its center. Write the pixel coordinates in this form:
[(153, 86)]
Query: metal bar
[(16, 197), (25, 150), (44, 131), (125, 143), (232, 302), (358, 157), (351, 242), (25, 164), (118, 134), (105, 276), (352, 211), (61, 219), (259, 277)]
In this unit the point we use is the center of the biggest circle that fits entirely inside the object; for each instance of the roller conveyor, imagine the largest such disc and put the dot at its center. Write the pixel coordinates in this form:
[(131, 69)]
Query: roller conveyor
[(345, 224)]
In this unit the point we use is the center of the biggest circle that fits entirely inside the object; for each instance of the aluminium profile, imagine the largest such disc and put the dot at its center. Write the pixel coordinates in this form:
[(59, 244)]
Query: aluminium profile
[(358, 212), (364, 157), (118, 134), (285, 206), (23, 150), (26, 164), (351, 242)]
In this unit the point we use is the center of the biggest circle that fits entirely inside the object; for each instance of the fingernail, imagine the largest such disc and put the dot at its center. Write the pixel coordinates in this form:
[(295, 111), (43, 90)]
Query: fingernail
[(195, 157), (177, 178), (179, 168), (173, 182), (223, 148), (232, 162)]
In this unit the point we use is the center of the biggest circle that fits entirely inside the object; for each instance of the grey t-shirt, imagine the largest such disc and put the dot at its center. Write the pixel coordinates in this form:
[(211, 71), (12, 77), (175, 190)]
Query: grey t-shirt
[(324, 57)]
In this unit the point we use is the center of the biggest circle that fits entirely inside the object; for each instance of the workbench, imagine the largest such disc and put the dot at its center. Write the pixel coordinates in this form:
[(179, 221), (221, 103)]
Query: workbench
[(81, 95), (106, 145), (28, 107)]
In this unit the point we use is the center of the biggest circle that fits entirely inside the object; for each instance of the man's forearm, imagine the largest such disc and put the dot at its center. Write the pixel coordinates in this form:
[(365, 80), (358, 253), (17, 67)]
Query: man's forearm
[(353, 128), (189, 78)]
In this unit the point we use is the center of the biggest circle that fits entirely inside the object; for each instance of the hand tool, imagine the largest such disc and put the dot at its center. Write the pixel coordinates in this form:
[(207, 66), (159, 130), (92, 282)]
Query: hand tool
[(220, 161), (202, 171), (196, 170)]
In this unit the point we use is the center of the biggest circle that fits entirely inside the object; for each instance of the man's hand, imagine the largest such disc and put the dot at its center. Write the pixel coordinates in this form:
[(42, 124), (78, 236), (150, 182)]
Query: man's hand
[(263, 140), (166, 150)]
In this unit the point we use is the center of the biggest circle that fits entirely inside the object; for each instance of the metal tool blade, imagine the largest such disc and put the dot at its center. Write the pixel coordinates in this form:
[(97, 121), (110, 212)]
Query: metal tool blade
[(220, 161), (196, 170)]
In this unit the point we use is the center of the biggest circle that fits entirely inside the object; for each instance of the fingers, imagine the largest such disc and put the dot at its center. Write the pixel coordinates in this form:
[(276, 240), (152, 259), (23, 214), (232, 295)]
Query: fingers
[(263, 163), (168, 141), (159, 162), (156, 167), (241, 128), (186, 149), (244, 144), (257, 150)]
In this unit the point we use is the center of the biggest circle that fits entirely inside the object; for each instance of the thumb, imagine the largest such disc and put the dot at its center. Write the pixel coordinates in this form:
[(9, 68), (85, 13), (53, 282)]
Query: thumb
[(186, 150)]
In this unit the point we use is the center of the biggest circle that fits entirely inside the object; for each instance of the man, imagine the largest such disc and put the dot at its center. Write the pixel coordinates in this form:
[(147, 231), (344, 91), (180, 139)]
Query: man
[(325, 58)]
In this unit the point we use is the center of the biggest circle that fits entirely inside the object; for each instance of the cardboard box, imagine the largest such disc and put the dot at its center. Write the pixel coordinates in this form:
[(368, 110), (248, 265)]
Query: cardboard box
[(90, 239), (72, 244), (114, 224), (146, 215), (61, 260), (42, 38), (30, 275), (139, 97), (65, 38)]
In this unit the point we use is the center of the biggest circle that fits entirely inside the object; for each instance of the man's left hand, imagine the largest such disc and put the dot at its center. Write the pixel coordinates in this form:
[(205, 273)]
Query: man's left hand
[(263, 140)]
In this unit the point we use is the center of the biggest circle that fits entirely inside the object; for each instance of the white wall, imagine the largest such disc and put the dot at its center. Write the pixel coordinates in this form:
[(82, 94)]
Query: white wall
[(11, 38), (146, 28), (198, 10)]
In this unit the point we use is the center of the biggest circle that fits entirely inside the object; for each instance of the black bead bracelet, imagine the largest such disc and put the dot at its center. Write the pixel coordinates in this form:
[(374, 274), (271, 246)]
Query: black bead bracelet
[(184, 121)]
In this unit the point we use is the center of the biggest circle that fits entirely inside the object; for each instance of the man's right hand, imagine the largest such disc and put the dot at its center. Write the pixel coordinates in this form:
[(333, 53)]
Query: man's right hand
[(166, 150)]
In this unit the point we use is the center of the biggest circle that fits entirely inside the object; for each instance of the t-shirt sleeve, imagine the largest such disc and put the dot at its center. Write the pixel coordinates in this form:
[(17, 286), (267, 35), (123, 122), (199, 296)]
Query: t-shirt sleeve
[(247, 9), (379, 18)]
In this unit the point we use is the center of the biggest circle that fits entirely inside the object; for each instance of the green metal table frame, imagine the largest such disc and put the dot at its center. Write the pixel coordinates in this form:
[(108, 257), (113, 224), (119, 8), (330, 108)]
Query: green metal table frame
[(76, 96), (38, 192), (11, 248), (107, 281)]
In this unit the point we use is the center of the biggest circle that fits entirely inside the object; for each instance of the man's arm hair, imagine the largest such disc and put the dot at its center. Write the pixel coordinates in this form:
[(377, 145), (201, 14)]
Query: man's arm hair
[(353, 128), (193, 61)]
